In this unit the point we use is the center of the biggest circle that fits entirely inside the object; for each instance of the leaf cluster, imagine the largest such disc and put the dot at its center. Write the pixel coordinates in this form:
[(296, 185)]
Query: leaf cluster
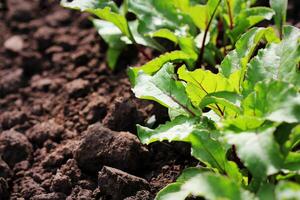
[(248, 141), (203, 30)]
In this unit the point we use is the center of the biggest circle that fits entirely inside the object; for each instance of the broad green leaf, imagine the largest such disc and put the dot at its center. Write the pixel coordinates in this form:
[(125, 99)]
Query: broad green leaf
[(144, 39), (242, 123), (155, 14), (178, 129), (292, 161), (248, 18), (280, 8), (164, 89), (236, 61), (212, 152), (259, 152), (103, 10), (200, 16), (204, 147), (273, 100), (196, 182), (229, 100), (287, 191), (277, 61), (154, 65), (203, 82), (266, 191), (164, 33)]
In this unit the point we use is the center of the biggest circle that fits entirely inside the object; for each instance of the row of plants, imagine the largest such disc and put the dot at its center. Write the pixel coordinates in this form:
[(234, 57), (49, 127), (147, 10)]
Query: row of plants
[(231, 89)]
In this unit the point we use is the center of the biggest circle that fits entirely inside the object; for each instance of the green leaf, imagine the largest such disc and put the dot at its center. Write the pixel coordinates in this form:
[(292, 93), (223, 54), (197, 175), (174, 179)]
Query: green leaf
[(103, 10), (273, 100), (280, 8), (259, 152), (112, 36), (266, 191), (155, 14), (229, 100), (287, 191), (242, 123), (236, 61), (196, 182), (294, 138), (164, 89), (203, 82), (164, 33), (248, 18), (277, 61), (154, 65), (178, 129), (210, 151), (292, 161)]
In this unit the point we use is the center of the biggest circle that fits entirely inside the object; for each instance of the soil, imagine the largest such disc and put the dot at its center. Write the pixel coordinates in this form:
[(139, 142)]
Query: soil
[(67, 123)]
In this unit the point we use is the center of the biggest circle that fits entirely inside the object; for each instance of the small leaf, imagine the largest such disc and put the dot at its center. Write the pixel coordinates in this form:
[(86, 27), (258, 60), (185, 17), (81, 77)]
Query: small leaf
[(102, 9), (154, 65), (164, 33), (277, 61), (112, 36), (209, 150), (178, 129), (248, 18), (292, 161), (229, 100), (195, 182), (164, 89), (203, 82), (259, 151), (273, 100), (242, 123)]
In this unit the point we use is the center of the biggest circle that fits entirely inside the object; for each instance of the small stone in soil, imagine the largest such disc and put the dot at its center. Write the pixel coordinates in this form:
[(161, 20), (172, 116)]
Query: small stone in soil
[(43, 131), (10, 81), (101, 146), (61, 183), (77, 88), (12, 118), (14, 43), (118, 184), (14, 147)]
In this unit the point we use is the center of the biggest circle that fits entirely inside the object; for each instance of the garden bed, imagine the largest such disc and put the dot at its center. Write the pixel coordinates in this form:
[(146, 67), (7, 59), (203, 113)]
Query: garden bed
[(67, 122)]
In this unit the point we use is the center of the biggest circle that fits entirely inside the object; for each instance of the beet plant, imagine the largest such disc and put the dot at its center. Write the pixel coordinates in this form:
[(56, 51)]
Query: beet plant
[(243, 120), (198, 33)]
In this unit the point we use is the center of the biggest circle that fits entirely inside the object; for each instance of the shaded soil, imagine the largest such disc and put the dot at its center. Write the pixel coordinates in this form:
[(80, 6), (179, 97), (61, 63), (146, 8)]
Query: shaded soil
[(67, 123)]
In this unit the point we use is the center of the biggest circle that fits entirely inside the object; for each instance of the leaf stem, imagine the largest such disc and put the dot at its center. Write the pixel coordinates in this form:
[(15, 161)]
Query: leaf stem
[(230, 15), (200, 58)]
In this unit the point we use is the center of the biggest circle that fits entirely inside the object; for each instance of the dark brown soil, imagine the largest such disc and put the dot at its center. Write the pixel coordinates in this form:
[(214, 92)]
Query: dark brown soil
[(67, 123)]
